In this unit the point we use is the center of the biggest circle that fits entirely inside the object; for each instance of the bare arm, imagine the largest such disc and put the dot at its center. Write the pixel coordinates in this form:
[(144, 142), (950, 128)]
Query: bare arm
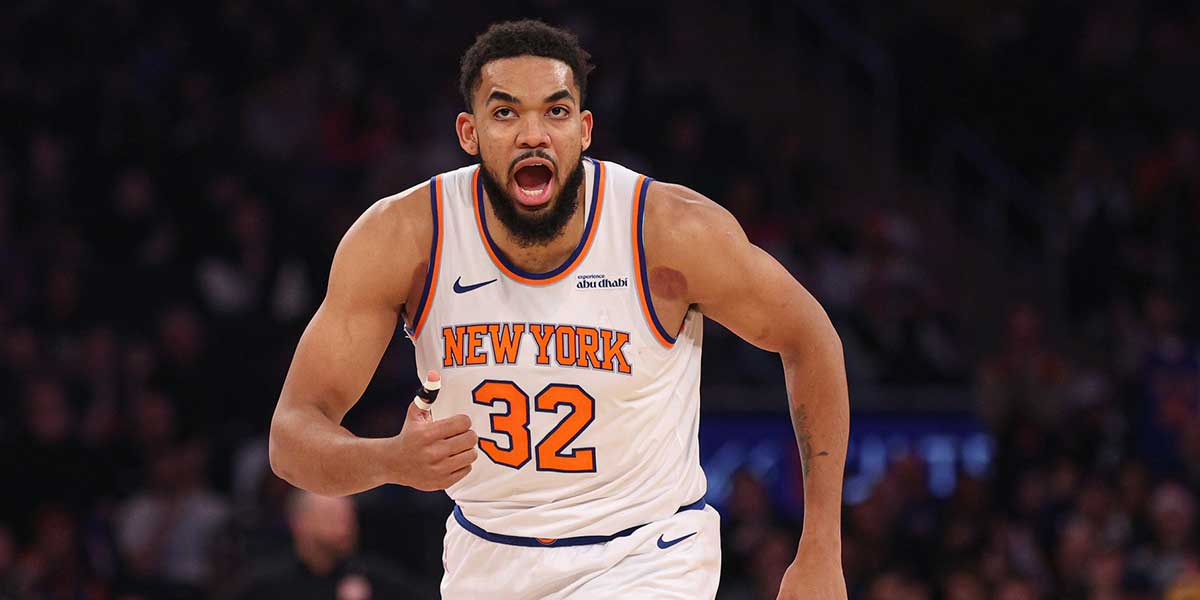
[(745, 289), (338, 354)]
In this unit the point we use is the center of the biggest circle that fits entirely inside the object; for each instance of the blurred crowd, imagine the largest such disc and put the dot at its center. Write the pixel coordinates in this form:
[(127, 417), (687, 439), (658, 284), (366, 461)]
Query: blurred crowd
[(174, 180)]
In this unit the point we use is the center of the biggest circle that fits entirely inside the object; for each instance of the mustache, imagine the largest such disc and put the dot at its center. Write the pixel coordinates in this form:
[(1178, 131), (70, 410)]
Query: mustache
[(535, 153)]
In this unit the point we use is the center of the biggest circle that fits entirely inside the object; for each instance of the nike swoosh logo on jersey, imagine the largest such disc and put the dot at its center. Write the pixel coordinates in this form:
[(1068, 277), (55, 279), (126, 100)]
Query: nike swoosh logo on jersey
[(459, 288), (664, 544)]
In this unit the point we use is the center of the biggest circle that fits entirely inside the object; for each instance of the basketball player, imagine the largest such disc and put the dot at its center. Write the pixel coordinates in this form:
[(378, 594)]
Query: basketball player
[(561, 300)]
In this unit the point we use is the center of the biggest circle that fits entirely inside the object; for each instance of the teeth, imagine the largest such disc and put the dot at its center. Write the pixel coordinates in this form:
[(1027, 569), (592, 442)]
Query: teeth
[(532, 192)]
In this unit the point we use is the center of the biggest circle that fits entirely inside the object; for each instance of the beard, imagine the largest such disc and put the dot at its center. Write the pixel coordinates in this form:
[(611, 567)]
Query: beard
[(531, 229)]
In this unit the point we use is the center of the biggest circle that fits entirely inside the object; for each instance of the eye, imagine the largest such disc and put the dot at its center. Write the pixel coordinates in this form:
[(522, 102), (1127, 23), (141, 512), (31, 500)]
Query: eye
[(503, 113), (560, 111)]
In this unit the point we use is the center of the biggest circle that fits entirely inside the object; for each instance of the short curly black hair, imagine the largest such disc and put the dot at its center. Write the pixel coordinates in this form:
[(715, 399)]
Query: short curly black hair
[(522, 38)]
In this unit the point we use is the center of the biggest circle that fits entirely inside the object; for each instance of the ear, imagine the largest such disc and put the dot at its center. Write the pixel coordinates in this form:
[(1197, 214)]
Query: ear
[(468, 138), (585, 123)]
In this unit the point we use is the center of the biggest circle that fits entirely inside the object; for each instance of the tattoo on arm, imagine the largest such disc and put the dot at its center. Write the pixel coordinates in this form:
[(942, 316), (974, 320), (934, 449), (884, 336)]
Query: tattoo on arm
[(800, 425)]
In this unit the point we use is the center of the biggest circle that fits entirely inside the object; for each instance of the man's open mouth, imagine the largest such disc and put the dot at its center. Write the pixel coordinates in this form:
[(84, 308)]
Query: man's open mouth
[(533, 182)]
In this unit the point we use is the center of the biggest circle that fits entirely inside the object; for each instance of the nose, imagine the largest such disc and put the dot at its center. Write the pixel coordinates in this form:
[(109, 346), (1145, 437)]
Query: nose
[(533, 135)]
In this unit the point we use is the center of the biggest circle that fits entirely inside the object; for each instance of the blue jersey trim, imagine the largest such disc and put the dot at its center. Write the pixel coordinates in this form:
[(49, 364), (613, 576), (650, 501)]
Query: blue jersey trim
[(641, 250), (584, 540), (433, 246), (587, 229)]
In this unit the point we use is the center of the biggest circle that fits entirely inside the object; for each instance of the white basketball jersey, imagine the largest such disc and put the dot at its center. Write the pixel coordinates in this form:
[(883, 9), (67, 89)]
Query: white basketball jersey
[(587, 409)]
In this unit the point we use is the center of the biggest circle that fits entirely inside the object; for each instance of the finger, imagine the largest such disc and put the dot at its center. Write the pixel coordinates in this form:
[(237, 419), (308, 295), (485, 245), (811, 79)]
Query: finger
[(457, 476), (450, 426), (459, 443), (460, 460), (416, 415), (427, 392)]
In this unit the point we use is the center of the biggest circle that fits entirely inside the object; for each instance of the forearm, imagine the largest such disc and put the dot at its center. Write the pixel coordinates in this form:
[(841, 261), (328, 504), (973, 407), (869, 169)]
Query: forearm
[(819, 403), (310, 451)]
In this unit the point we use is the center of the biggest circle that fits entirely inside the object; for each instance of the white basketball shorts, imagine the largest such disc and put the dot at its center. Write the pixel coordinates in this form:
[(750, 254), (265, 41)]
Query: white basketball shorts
[(678, 557)]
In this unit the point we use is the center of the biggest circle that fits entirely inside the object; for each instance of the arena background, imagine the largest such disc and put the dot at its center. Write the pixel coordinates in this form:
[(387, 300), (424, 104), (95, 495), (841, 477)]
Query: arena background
[(999, 207)]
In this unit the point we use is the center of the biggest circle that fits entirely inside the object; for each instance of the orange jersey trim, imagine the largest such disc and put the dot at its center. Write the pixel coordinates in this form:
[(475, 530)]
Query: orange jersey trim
[(639, 264), (435, 252)]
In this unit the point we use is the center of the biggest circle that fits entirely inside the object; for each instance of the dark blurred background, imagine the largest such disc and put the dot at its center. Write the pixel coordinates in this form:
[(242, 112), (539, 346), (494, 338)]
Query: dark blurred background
[(998, 206)]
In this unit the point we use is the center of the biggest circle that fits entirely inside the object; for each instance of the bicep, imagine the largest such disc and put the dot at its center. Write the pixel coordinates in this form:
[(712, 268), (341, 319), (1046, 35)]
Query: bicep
[(337, 355), (340, 349), (754, 296), (744, 288)]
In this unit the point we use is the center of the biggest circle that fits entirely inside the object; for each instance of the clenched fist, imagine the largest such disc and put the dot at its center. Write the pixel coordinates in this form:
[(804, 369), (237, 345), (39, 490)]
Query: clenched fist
[(430, 454)]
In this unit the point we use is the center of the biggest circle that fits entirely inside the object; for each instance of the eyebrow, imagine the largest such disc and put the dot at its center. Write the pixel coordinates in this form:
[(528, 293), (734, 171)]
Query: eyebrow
[(503, 97), (559, 95), (511, 99)]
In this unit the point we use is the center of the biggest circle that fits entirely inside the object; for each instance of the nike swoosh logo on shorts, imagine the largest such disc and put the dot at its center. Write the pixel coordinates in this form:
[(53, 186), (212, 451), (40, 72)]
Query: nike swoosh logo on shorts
[(664, 544), (459, 288)]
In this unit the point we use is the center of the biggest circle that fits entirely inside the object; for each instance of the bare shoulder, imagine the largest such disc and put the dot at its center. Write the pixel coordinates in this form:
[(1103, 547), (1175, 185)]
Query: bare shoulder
[(403, 214), (688, 240), (679, 221), (678, 218), (385, 246)]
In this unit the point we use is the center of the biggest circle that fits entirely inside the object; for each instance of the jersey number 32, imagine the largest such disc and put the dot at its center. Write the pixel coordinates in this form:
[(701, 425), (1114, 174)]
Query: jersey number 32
[(551, 453)]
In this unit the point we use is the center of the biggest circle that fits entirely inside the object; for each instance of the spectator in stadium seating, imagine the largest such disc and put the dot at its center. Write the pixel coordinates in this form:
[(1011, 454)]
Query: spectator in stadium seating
[(325, 562), (1172, 547), (57, 564), (895, 585), (1025, 379), (1018, 589), (9, 586), (166, 533), (1170, 383), (963, 585)]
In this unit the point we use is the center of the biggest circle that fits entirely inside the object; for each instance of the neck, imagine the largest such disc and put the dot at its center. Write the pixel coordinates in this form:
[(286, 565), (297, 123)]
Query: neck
[(539, 258)]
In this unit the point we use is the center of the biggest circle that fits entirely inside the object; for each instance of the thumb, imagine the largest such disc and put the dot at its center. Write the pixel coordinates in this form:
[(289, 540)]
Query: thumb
[(416, 415)]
